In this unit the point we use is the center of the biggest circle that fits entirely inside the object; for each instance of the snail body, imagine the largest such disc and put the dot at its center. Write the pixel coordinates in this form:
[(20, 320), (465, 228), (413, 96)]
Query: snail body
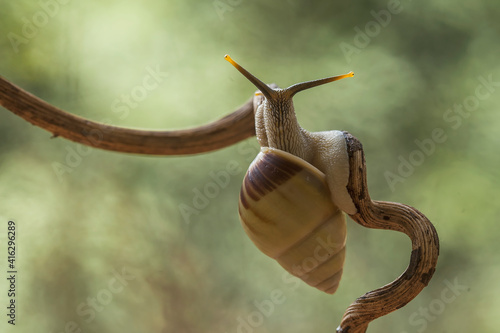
[(294, 192)]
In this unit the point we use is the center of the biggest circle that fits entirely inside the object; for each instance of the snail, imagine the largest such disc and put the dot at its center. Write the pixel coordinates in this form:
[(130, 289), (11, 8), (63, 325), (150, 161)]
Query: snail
[(294, 194), (296, 191)]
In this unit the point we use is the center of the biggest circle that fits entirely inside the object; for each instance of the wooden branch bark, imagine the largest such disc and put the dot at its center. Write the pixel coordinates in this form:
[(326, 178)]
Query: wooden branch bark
[(390, 216), (224, 132)]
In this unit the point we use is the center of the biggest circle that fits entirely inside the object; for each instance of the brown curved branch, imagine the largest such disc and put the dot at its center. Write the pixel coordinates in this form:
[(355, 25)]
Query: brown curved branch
[(231, 129), (391, 216)]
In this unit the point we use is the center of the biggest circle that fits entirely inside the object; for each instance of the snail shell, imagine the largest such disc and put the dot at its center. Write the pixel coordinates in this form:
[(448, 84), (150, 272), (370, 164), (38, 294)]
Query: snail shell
[(285, 208)]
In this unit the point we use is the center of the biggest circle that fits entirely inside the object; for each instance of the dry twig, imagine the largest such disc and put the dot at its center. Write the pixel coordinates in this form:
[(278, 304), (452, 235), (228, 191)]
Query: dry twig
[(233, 128)]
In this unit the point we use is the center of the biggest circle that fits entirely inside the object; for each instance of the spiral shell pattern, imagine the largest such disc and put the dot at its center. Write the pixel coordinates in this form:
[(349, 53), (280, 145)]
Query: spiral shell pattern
[(286, 210)]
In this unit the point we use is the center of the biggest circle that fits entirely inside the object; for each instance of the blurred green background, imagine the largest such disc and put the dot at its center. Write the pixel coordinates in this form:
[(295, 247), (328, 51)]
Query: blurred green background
[(421, 67)]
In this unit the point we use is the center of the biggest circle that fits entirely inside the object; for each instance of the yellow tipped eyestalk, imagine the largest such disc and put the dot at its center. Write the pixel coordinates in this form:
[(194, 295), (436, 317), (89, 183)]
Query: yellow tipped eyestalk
[(228, 58), (350, 74), (264, 88), (288, 92), (310, 84)]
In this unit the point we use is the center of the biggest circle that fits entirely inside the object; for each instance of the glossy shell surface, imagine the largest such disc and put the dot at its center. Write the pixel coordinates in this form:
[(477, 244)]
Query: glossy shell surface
[(286, 210)]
